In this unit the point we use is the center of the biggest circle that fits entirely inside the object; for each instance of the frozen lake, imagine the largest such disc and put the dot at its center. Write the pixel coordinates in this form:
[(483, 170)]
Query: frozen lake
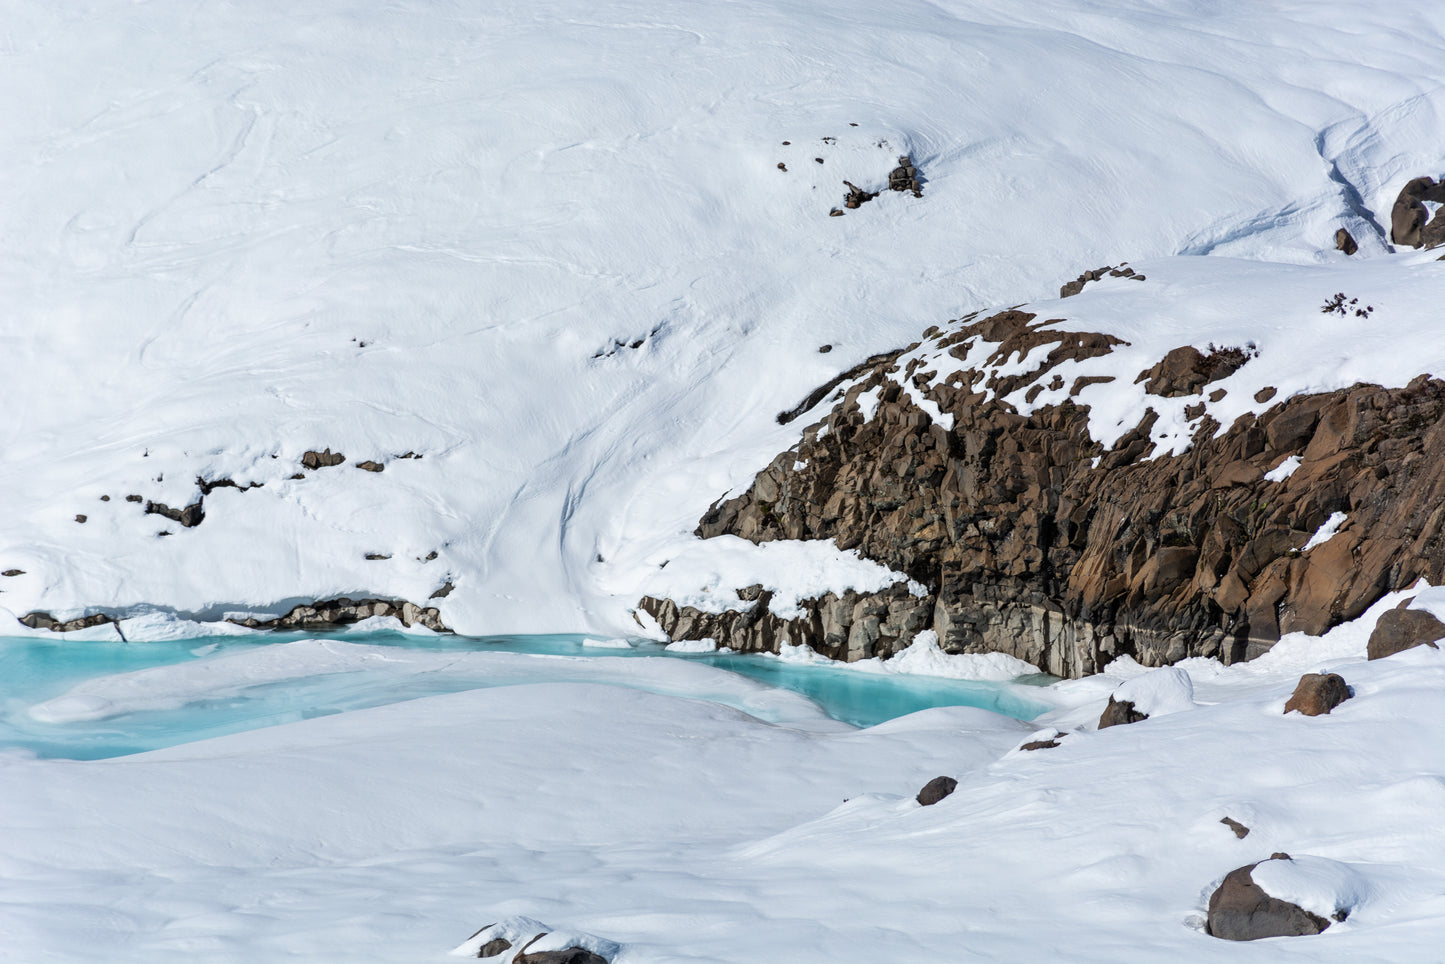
[(87, 700)]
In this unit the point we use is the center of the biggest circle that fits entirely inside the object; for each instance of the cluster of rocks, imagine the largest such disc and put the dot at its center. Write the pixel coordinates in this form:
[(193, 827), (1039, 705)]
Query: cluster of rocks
[(43, 620), (321, 615), (905, 177), (334, 613), (848, 627), (856, 196), (1034, 540), (1071, 288), (1410, 222), (189, 517)]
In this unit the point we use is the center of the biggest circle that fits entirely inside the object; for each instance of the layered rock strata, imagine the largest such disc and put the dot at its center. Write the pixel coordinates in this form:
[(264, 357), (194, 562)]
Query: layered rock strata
[(1034, 540)]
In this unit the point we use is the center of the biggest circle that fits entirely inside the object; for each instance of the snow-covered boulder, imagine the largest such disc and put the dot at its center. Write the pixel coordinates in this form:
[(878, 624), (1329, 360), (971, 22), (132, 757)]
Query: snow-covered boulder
[(1160, 691), (1284, 897)]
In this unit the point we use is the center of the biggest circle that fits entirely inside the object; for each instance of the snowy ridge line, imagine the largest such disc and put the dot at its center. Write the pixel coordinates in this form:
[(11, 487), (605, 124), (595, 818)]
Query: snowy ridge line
[(1300, 353)]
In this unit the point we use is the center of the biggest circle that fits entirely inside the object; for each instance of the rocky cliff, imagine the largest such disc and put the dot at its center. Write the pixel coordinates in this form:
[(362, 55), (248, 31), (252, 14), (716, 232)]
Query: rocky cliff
[(1035, 540)]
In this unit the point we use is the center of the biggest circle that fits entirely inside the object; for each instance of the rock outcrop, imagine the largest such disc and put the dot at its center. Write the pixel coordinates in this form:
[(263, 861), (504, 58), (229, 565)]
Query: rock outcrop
[(333, 613), (1034, 540)]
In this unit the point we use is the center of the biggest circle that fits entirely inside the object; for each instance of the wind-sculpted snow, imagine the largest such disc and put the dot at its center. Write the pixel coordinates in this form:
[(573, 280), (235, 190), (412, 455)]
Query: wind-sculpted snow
[(677, 828), (548, 249)]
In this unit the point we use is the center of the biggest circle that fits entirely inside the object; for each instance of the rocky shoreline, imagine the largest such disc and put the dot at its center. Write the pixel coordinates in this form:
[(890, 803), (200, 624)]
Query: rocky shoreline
[(1035, 540)]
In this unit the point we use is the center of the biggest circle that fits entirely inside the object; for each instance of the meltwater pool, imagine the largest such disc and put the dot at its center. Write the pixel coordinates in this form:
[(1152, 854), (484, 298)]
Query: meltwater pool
[(81, 699)]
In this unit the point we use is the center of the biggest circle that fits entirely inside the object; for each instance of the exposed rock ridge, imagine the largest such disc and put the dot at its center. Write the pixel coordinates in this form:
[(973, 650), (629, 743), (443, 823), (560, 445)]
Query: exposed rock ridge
[(320, 615), (1035, 541)]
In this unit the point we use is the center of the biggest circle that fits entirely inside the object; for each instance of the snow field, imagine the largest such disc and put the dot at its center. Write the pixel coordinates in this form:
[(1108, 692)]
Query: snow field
[(686, 830), (442, 231)]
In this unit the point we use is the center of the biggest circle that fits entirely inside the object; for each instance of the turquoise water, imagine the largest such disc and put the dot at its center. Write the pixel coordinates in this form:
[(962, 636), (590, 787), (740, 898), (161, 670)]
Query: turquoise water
[(35, 669)]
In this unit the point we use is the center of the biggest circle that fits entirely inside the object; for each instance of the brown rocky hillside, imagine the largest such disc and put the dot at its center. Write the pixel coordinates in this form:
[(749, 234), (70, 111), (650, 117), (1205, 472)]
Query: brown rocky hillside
[(1034, 540)]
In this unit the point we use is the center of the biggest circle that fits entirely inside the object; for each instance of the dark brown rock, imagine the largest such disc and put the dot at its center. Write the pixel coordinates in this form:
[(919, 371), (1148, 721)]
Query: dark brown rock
[(1344, 241), (1402, 629), (1048, 744), (322, 460), (935, 790), (189, 517), (569, 955), (1240, 910), (1408, 215), (13, 572), (905, 177), (80, 517), (1317, 694), (493, 947), (1120, 712), (1240, 830), (444, 591), (1432, 235), (370, 466)]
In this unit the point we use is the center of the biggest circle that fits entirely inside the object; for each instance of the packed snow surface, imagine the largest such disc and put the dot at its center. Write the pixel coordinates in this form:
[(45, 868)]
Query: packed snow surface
[(541, 264), (547, 250)]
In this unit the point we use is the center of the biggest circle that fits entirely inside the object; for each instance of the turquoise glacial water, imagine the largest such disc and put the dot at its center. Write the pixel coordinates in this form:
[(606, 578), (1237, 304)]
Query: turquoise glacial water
[(35, 669)]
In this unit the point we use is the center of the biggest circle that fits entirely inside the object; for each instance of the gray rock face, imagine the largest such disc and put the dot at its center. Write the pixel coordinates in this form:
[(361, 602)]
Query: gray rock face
[(1402, 629), (1033, 540), (1240, 910)]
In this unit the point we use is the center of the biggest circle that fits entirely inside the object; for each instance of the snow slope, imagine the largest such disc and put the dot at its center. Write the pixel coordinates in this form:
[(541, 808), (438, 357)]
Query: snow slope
[(684, 830), (234, 233)]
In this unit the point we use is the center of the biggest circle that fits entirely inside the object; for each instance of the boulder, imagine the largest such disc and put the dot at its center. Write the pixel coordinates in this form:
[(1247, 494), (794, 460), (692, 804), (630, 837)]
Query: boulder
[(935, 790), (1408, 216), (1402, 629), (1119, 712), (1240, 910), (1344, 241), (1240, 830), (1317, 694)]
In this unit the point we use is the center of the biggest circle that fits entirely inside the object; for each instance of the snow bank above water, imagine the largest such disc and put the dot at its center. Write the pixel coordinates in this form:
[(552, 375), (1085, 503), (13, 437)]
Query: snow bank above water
[(705, 574)]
